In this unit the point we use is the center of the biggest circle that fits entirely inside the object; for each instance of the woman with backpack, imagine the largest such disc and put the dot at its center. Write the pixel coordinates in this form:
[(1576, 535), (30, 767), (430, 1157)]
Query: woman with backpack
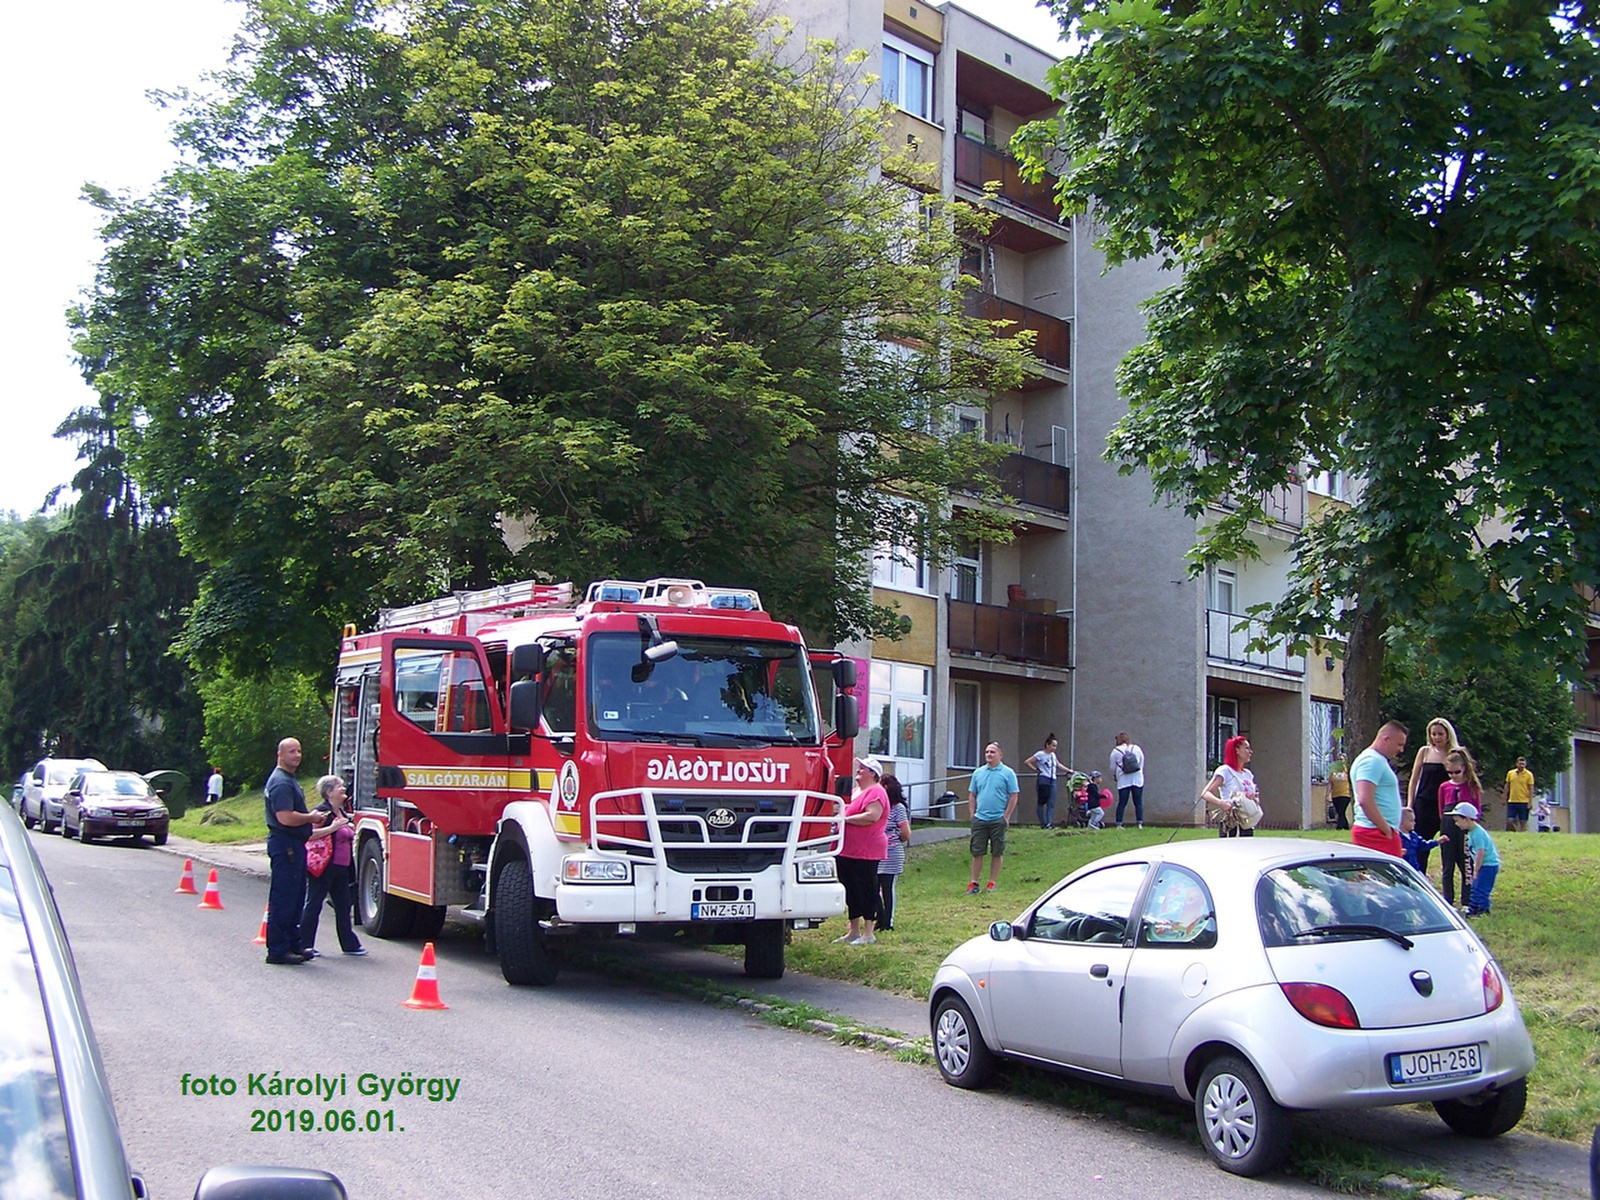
[(1127, 768)]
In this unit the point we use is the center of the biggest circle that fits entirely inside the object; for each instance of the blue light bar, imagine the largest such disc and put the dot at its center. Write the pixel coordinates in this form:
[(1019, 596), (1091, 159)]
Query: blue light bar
[(619, 595), (737, 603)]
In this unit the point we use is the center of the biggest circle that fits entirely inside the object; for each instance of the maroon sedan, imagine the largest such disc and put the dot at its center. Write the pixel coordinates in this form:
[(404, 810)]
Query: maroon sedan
[(113, 804)]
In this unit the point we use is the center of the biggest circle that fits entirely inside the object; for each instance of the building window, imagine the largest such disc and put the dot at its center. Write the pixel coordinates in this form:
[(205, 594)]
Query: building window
[(975, 126), (964, 751), (898, 731), (899, 564), (907, 77), (1226, 717), (1224, 589), (1327, 721), (1328, 483), (966, 573)]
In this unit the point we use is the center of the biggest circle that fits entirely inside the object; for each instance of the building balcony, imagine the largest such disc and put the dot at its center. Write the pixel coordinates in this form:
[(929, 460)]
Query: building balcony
[(978, 165), (1228, 635), (1052, 343), (1588, 705), (1285, 507), (988, 629)]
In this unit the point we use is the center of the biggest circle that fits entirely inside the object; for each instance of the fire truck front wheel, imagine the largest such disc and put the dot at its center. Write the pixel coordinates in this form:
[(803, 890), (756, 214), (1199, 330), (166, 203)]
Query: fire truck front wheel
[(763, 950), (382, 915), (524, 956)]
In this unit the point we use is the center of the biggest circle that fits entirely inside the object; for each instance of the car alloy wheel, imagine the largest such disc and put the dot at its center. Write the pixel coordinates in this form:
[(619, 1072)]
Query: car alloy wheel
[(1243, 1128), (964, 1060)]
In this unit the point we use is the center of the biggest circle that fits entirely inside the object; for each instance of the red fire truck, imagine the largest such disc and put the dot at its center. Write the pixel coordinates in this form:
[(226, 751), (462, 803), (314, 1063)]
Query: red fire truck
[(651, 762)]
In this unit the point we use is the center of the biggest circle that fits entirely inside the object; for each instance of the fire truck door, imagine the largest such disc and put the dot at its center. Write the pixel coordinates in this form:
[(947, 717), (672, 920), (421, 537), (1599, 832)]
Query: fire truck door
[(366, 747), (442, 740)]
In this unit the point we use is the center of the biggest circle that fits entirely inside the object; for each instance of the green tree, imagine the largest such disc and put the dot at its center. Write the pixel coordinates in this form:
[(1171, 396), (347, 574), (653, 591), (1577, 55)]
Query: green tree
[(1385, 217), (616, 274), (91, 600), (247, 718), (1498, 712)]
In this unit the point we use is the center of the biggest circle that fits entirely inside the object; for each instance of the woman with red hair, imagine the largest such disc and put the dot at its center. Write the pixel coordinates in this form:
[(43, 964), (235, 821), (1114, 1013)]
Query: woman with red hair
[(1232, 791)]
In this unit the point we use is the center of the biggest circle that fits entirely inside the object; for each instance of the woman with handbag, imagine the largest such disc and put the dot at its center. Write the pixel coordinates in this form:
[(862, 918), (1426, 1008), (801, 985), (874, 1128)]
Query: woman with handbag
[(1232, 792), (330, 870)]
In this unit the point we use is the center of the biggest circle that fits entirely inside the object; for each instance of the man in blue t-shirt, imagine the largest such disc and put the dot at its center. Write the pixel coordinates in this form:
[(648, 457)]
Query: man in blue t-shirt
[(992, 796), (1377, 789), (288, 827)]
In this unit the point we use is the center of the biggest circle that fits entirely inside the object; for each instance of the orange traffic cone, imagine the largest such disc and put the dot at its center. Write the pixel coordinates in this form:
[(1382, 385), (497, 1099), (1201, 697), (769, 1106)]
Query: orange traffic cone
[(261, 938), (213, 896), (425, 992), (186, 884)]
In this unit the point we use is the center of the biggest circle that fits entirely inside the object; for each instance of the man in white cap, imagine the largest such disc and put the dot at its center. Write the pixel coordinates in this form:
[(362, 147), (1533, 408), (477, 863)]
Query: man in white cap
[(992, 795)]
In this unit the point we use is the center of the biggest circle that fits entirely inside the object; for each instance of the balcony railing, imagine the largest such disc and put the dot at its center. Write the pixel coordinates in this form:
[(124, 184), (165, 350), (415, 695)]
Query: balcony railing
[(1010, 633), (1588, 705), (1286, 506), (1034, 481), (1052, 340), (1228, 635), (978, 165)]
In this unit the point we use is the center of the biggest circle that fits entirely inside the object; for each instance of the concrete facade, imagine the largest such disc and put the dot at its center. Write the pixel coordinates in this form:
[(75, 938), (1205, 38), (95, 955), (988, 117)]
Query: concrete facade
[(1087, 623)]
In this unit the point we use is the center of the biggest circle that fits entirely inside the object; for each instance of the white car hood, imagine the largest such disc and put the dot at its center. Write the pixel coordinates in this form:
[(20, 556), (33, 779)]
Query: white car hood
[(1376, 975)]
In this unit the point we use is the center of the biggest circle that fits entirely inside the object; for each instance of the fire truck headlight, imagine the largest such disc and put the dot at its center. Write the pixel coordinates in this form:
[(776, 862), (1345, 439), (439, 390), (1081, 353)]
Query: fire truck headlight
[(817, 870), (595, 870)]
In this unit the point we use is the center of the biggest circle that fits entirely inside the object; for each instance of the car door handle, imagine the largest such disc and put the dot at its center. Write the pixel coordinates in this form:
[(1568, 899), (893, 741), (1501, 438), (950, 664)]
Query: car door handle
[(1100, 970)]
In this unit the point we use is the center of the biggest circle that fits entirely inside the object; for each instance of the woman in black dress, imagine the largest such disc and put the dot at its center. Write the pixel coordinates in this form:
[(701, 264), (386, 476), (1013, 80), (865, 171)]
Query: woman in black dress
[(1427, 773)]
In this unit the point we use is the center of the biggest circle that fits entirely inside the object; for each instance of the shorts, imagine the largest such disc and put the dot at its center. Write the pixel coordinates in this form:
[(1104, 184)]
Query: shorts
[(988, 837), (1516, 812), (1366, 835)]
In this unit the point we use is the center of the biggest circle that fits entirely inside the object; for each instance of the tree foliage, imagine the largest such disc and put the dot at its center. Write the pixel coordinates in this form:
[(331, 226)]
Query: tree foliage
[(247, 718), (91, 600), (1385, 215), (1499, 712), (614, 274)]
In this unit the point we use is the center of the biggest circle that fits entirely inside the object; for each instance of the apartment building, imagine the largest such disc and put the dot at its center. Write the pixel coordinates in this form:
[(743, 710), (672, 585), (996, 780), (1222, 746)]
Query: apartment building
[(1576, 792), (1086, 623)]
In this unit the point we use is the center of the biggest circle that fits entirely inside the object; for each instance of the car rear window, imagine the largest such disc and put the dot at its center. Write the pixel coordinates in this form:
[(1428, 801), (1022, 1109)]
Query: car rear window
[(1293, 902), (34, 1157)]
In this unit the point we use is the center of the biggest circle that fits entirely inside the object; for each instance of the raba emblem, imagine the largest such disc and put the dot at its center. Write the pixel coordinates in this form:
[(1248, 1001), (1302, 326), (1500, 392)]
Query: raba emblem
[(721, 818)]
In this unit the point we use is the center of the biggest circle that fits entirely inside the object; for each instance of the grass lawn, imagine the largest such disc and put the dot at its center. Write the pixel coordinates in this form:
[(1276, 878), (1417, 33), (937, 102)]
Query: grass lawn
[(1545, 930), (248, 809)]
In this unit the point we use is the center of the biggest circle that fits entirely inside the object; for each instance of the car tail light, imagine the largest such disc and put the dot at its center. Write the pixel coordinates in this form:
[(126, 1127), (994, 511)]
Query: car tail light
[(1322, 1005), (1494, 992)]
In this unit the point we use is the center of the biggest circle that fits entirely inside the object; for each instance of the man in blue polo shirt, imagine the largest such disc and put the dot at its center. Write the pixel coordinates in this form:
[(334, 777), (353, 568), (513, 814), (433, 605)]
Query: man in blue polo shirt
[(992, 795)]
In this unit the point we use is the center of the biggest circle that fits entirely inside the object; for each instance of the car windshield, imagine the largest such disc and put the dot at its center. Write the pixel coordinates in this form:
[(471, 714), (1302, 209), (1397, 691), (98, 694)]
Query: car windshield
[(713, 688), (118, 785), (34, 1156), (1346, 898), (60, 773)]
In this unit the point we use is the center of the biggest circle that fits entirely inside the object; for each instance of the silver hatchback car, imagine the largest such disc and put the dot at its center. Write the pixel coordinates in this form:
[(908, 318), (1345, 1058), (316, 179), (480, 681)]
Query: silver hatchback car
[(1250, 976)]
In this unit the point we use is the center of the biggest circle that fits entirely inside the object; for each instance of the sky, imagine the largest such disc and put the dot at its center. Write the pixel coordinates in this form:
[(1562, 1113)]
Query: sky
[(77, 84)]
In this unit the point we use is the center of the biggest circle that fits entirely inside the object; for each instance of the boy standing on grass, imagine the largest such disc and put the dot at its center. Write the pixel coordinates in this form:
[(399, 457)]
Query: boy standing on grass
[(1481, 853)]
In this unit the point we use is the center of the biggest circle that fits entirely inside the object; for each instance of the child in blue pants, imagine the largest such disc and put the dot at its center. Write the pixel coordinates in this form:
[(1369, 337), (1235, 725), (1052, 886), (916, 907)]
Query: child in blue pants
[(1481, 853)]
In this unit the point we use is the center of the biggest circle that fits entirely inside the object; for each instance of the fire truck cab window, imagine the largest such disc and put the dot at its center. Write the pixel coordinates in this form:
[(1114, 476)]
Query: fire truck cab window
[(561, 688), (713, 688), (441, 690)]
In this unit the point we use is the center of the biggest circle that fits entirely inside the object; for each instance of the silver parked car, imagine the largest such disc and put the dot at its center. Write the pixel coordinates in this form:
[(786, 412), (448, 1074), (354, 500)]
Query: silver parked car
[(59, 1138), (45, 784), (1250, 976)]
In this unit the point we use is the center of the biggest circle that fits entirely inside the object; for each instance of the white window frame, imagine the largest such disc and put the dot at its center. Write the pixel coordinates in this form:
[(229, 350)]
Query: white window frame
[(895, 92), (900, 568), (1223, 580), (972, 563), (1333, 484)]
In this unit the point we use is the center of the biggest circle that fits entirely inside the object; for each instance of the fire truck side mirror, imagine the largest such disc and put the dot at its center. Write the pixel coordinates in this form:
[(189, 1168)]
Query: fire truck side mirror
[(844, 673), (527, 660), (525, 705), (846, 715)]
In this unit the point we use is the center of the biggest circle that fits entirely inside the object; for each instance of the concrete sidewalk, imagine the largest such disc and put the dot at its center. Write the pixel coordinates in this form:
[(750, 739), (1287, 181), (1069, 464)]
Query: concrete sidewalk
[(1518, 1166)]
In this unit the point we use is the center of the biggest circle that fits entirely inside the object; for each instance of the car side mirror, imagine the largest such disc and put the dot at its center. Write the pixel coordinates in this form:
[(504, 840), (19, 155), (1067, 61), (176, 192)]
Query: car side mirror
[(1002, 931), (846, 716), (844, 673), (528, 659)]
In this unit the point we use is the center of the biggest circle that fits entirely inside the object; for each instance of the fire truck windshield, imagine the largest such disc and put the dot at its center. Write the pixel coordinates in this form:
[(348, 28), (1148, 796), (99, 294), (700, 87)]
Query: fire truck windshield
[(712, 689)]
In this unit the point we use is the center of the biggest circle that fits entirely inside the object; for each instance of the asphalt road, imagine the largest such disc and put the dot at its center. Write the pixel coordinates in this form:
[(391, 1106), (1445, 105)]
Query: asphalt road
[(592, 1087)]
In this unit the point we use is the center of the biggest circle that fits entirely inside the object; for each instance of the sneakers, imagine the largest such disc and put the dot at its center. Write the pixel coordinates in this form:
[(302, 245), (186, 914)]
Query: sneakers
[(972, 889), (357, 952), (287, 960), (846, 940), (310, 952), (990, 888), (865, 939)]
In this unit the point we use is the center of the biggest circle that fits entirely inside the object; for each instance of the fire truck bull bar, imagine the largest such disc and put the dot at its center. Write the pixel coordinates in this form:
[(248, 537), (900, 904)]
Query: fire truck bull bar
[(604, 827)]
